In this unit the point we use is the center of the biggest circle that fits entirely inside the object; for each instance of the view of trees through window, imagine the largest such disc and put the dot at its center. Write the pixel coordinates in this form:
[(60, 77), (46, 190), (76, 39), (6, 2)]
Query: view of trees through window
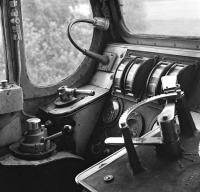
[(162, 17), (2, 58), (50, 57)]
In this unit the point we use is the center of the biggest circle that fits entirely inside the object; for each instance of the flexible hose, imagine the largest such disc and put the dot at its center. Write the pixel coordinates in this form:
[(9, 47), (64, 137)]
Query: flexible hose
[(90, 21), (100, 58)]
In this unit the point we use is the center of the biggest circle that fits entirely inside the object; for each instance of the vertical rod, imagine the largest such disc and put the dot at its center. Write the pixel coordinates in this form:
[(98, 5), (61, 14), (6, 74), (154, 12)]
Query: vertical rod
[(132, 154), (187, 124)]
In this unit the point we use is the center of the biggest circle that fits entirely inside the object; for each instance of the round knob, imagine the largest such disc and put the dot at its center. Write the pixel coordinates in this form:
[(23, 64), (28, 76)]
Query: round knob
[(33, 123), (66, 129)]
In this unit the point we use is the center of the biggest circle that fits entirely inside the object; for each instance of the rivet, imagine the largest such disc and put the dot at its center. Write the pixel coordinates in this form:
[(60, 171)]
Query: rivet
[(108, 178), (165, 117)]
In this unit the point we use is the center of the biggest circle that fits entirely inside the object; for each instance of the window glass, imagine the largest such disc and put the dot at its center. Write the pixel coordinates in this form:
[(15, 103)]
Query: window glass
[(162, 17), (2, 56), (50, 57)]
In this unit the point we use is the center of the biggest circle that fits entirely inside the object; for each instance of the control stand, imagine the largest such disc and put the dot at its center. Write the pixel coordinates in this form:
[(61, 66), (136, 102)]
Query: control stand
[(168, 144), (36, 144)]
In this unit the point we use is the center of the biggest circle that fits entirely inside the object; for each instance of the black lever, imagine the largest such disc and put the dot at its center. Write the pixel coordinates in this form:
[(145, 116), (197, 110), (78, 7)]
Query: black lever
[(66, 130)]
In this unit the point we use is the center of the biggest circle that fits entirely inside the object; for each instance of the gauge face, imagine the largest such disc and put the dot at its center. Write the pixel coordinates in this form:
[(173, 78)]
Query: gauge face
[(111, 111), (136, 124)]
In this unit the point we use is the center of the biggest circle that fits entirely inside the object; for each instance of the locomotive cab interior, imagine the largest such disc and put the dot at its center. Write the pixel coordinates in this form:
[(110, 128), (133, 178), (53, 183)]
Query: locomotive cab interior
[(99, 95)]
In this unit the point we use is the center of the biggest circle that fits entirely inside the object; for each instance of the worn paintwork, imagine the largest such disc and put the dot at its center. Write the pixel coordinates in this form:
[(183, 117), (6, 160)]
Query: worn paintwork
[(160, 174)]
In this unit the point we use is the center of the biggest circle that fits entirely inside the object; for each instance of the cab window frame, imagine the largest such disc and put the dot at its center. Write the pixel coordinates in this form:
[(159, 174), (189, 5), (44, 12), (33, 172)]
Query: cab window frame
[(85, 69), (9, 62), (2, 37), (186, 42)]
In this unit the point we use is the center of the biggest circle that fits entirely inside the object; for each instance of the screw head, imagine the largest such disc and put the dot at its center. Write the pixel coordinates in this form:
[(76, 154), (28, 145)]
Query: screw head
[(165, 117), (108, 178)]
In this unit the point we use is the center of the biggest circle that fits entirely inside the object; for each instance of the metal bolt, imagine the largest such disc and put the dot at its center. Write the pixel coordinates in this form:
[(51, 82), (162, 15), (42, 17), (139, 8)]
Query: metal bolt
[(42, 127), (48, 123), (67, 129), (178, 86), (13, 3), (165, 117), (123, 125), (107, 151), (14, 13), (108, 178), (15, 20)]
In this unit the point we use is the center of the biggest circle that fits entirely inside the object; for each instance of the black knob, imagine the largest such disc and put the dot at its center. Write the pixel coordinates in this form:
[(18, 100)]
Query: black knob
[(66, 129)]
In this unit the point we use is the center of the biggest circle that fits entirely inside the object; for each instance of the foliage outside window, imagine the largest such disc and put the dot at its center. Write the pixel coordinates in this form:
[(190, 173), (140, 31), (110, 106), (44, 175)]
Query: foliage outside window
[(162, 17), (50, 57), (2, 58)]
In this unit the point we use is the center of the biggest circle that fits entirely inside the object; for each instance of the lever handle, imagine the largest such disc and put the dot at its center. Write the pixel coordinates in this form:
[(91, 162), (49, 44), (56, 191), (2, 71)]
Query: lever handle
[(84, 92), (74, 91), (67, 129)]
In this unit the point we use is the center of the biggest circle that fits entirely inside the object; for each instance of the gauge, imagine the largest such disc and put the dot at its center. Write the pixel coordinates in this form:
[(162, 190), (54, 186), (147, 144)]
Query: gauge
[(112, 111), (136, 124)]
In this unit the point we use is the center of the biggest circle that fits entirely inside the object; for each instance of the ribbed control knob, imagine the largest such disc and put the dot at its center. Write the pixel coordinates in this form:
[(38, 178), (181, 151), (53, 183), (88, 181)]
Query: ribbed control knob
[(33, 123)]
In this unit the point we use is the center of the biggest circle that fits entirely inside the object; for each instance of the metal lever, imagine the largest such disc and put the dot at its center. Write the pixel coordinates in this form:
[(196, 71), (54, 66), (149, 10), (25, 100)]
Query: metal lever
[(66, 93), (67, 129), (136, 141)]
